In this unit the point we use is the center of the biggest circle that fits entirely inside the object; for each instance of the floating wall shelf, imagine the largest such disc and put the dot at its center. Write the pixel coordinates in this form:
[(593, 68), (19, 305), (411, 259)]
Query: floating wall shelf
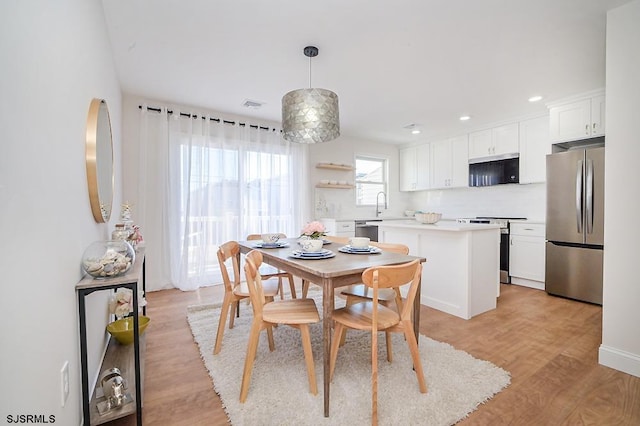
[(332, 166)]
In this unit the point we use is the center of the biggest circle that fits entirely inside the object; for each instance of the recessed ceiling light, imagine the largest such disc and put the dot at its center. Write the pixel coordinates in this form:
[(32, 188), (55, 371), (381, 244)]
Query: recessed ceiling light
[(415, 128), (535, 98), (465, 117)]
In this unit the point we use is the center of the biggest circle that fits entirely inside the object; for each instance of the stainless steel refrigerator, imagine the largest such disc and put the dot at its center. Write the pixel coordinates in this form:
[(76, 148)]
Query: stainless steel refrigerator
[(575, 224)]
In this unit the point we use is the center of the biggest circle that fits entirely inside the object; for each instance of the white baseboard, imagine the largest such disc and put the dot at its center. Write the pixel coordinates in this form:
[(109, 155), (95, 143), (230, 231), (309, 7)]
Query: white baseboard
[(617, 359), (539, 285)]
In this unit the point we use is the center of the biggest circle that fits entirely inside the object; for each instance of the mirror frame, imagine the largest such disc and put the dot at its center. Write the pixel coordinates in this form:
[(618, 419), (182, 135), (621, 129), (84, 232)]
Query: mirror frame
[(99, 160)]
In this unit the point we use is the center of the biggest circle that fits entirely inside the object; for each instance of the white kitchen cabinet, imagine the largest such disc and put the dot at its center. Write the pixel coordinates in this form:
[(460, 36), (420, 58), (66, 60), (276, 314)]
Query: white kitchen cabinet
[(579, 119), (527, 254), (339, 228), (534, 147), (450, 163), (496, 141), (414, 168)]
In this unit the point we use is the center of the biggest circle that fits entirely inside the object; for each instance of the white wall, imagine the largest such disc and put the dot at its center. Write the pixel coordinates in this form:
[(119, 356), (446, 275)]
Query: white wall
[(341, 203), (55, 58), (620, 347)]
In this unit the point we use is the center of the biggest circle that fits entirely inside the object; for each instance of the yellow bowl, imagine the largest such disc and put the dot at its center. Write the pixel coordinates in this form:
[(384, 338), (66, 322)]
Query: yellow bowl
[(122, 329)]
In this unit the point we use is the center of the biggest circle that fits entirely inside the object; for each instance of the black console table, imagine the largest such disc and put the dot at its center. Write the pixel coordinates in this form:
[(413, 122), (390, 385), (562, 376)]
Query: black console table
[(132, 279)]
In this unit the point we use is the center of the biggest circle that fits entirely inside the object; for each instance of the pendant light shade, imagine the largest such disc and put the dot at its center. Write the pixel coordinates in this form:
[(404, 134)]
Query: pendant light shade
[(310, 115)]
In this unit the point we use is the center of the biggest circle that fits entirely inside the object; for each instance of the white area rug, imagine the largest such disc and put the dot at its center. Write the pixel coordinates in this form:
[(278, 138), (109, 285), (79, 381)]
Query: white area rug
[(279, 393)]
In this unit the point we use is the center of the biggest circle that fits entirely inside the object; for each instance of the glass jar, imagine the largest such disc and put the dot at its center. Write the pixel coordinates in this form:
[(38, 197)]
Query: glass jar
[(120, 233), (107, 259)]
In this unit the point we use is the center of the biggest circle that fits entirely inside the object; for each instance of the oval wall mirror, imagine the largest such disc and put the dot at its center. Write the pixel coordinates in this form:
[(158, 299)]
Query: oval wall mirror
[(99, 159)]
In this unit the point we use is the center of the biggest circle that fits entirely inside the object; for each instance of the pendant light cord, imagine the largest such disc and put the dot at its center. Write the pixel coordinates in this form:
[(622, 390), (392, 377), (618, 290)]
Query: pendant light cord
[(309, 72)]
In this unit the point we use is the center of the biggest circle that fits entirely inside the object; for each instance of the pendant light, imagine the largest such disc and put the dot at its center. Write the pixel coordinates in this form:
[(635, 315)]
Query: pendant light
[(310, 115)]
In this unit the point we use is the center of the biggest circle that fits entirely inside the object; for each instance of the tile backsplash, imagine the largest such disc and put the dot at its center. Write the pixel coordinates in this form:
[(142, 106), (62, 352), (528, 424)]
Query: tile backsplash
[(511, 200)]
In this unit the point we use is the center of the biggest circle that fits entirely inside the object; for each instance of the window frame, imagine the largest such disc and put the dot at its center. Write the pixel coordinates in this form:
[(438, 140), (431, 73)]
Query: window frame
[(357, 182)]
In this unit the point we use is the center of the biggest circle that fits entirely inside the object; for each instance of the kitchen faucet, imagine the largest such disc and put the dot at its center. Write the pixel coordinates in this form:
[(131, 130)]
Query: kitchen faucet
[(378, 212)]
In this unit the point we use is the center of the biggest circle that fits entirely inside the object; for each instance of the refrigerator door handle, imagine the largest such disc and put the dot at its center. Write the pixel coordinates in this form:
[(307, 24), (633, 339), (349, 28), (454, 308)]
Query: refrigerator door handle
[(589, 196), (579, 175)]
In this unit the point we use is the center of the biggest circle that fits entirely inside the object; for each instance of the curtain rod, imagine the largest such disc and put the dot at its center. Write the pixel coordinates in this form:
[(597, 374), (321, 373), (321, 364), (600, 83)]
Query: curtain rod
[(217, 120)]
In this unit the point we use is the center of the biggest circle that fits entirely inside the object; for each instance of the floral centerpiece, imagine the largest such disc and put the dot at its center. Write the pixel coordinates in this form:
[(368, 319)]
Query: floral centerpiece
[(313, 230)]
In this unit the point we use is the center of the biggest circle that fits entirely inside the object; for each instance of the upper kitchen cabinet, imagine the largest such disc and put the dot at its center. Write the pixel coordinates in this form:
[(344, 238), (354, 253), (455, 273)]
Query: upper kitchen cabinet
[(579, 118), (495, 141), (414, 168), (534, 147), (450, 163)]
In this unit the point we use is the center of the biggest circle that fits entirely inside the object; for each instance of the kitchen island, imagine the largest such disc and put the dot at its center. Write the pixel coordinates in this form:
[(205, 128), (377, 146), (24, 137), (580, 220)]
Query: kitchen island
[(462, 274)]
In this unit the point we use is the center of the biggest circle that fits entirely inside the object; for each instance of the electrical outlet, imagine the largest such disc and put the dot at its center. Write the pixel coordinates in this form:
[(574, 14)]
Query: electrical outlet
[(64, 383)]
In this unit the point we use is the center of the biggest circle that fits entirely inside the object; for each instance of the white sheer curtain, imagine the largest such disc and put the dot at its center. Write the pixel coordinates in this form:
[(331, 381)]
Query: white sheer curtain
[(214, 182)]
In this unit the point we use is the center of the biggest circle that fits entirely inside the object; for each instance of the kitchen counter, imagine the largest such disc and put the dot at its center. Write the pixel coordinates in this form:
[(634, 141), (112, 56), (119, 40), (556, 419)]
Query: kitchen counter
[(462, 273), (442, 225)]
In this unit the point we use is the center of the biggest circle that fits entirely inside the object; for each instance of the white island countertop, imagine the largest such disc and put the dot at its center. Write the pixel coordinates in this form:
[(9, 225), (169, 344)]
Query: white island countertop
[(442, 225)]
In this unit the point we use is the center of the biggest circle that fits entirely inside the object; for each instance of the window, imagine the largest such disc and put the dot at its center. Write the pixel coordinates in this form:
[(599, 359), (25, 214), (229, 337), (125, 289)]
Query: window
[(371, 179)]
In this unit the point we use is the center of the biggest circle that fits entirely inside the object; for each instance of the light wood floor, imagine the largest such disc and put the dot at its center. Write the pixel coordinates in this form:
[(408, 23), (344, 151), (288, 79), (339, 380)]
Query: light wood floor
[(548, 344)]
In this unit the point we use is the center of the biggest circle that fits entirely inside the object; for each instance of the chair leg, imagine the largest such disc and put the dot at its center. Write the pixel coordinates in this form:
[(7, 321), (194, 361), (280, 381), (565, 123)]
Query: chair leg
[(349, 302), (305, 288), (415, 354), (221, 323), (292, 286), (252, 349), (374, 378), (387, 337), (272, 345), (335, 345), (234, 310), (308, 356), (280, 288)]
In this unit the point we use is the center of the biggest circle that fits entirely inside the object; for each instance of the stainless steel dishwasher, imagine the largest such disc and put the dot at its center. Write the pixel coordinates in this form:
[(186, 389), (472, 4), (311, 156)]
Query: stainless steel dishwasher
[(363, 229)]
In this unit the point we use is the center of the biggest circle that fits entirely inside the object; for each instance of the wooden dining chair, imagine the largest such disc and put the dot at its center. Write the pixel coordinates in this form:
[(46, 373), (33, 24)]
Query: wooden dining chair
[(270, 272), (298, 313), (386, 296), (333, 239), (234, 290), (373, 316)]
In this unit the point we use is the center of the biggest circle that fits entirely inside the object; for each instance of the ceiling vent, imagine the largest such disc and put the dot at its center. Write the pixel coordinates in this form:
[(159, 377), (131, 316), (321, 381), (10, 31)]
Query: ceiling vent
[(248, 103)]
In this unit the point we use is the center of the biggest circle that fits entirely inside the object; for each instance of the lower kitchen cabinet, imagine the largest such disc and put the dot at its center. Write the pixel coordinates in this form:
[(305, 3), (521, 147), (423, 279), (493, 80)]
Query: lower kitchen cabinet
[(527, 254), (339, 228)]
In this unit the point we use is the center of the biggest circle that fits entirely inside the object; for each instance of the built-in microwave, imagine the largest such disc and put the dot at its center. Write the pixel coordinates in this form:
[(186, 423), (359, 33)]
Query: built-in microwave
[(494, 170)]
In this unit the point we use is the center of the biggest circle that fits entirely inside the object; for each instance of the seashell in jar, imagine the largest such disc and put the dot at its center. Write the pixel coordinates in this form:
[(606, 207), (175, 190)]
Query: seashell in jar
[(93, 267)]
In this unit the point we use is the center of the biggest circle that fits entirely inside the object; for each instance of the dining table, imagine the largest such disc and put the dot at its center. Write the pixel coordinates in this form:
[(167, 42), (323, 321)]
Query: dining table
[(341, 269)]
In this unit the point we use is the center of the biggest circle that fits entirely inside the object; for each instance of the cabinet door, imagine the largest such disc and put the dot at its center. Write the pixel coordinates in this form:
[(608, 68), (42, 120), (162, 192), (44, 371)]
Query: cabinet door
[(505, 139), (534, 147), (480, 144), (408, 171), (441, 164), (570, 121), (527, 257), (459, 161), (423, 167), (597, 116)]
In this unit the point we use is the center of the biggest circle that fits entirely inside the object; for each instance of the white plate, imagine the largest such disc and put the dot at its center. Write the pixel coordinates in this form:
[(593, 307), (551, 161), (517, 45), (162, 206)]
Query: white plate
[(270, 245), (326, 254), (352, 250)]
